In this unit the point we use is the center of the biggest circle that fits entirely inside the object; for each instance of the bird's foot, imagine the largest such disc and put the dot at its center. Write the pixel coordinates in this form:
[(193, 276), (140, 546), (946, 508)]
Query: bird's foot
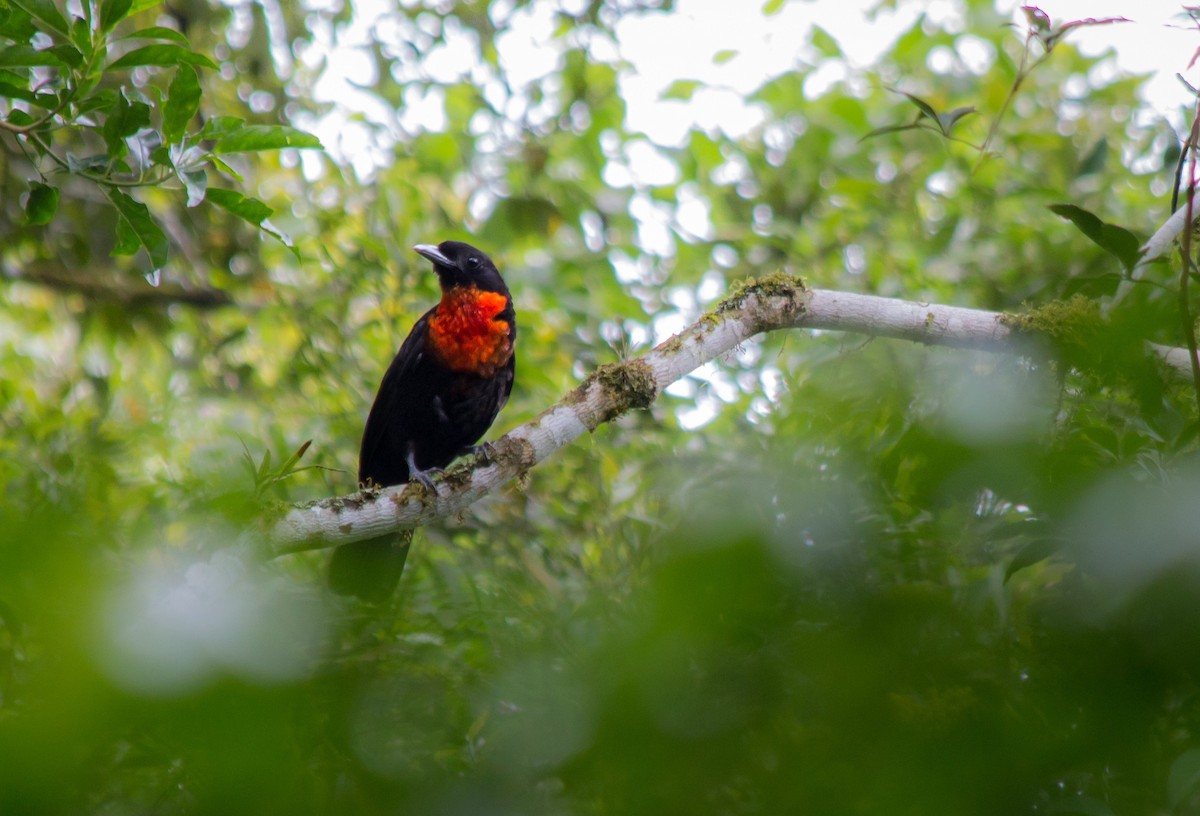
[(425, 477), (422, 476), (484, 451)]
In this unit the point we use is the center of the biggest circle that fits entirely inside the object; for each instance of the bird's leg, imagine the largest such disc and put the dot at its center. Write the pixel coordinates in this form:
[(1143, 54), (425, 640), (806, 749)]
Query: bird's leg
[(422, 476)]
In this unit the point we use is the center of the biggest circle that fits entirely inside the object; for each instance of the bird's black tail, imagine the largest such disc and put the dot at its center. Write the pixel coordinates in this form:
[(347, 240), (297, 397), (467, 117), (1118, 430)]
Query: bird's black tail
[(370, 569)]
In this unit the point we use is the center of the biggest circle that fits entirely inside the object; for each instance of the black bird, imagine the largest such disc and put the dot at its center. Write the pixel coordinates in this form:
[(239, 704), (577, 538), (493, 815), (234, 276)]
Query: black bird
[(443, 390)]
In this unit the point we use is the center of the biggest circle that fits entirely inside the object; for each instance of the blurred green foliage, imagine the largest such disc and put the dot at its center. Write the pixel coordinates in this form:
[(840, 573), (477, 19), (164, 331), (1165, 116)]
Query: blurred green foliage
[(824, 575)]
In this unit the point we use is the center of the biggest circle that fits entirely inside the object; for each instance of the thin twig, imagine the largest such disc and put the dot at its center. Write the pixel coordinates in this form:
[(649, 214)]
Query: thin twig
[(1185, 275), (103, 181), (1183, 157), (1023, 72)]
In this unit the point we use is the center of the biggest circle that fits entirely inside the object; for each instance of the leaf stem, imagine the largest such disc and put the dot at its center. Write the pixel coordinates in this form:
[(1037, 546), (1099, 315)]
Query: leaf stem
[(1185, 245)]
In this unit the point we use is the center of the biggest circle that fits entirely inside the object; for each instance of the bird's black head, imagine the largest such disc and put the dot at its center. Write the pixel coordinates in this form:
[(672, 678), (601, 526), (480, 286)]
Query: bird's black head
[(459, 264)]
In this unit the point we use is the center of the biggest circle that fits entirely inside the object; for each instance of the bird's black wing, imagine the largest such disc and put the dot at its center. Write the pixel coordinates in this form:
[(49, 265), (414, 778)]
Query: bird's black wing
[(382, 455)]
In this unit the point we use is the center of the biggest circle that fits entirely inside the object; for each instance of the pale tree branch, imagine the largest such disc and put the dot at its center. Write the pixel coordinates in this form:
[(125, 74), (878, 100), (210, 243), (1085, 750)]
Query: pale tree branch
[(776, 302)]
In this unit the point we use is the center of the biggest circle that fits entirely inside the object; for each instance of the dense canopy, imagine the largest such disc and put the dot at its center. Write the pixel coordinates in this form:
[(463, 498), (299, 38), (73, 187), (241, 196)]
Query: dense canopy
[(825, 572)]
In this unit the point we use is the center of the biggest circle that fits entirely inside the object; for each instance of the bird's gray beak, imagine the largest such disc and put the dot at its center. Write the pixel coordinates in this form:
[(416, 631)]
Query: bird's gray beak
[(434, 254)]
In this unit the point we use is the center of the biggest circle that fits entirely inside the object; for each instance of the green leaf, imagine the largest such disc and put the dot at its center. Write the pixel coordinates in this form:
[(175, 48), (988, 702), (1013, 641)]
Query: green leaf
[(183, 100), (264, 467), (81, 35), (947, 121), (161, 54), (124, 119), (19, 118), (1032, 553), (879, 131), (23, 93), (824, 42), (89, 79), (772, 7), (41, 204), (248, 209), (923, 106), (944, 122), (47, 13), (1115, 240), (724, 55), (286, 468), (682, 89), (68, 54), (265, 137), (127, 242), (158, 33), (100, 100), (113, 12), (22, 56), (219, 126), (196, 183), (137, 229), (225, 168), (16, 24)]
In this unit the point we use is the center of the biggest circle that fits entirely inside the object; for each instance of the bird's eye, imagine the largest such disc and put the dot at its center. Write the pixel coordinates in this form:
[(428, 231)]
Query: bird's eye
[(472, 261)]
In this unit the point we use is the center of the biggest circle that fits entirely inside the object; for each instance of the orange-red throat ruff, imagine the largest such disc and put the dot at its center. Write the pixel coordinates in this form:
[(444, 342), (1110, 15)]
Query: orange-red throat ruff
[(464, 334)]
